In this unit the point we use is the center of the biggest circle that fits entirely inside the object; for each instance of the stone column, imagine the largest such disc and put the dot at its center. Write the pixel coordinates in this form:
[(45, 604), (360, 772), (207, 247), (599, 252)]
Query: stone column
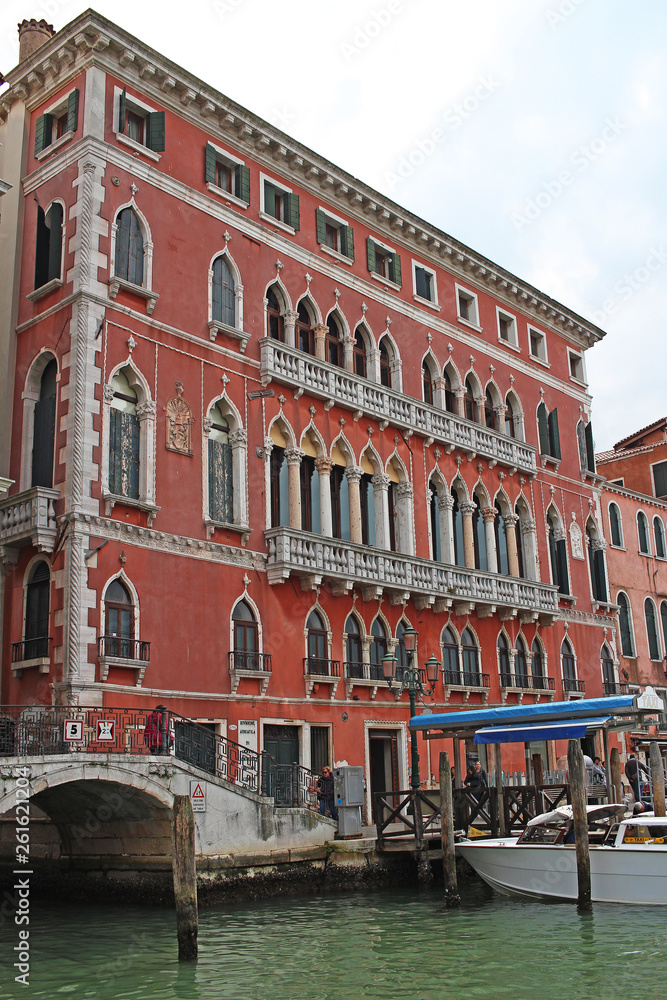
[(404, 541), (320, 333), (293, 457), (489, 515), (366, 641), (446, 506), (290, 319), (324, 467), (354, 474), (467, 510), (499, 412), (381, 508), (479, 409), (348, 357), (238, 440), (529, 536), (460, 401), (512, 554)]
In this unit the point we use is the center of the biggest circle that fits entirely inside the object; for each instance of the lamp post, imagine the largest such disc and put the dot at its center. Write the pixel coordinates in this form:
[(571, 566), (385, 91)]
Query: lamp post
[(410, 678)]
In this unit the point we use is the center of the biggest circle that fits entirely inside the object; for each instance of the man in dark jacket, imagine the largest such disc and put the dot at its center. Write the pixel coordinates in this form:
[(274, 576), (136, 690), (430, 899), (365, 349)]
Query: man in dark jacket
[(634, 770), (325, 793)]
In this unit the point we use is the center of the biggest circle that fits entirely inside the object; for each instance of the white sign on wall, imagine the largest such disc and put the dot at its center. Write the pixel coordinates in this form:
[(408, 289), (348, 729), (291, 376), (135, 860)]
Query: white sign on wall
[(248, 734), (198, 796)]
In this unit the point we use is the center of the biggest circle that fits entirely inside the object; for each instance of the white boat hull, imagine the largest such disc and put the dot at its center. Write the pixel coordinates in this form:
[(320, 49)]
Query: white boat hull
[(618, 874)]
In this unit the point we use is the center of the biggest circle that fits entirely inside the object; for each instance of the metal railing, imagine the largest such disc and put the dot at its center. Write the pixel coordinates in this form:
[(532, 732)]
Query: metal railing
[(610, 688), (30, 649), (242, 659), (120, 648), (573, 684), (466, 678), (527, 682), (321, 666)]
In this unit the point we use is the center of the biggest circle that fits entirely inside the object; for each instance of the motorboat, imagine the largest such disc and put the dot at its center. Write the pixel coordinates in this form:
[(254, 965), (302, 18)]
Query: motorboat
[(628, 857)]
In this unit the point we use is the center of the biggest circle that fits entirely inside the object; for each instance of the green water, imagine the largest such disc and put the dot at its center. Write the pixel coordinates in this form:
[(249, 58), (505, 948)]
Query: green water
[(399, 945)]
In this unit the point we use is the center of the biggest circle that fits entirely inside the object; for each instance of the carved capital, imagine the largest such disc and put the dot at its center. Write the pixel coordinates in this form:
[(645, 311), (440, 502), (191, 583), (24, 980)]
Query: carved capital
[(381, 481), (238, 438), (294, 456), (446, 501), (510, 520), (489, 514), (324, 466), (108, 393), (467, 508), (146, 410), (354, 474), (404, 490)]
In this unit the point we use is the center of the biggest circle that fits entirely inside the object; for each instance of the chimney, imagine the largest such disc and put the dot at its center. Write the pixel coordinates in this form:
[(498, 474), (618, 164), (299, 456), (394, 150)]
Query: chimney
[(32, 35)]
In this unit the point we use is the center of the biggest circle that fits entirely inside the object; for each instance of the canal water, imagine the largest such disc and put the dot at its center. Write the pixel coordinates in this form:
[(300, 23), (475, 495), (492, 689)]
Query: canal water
[(401, 945)]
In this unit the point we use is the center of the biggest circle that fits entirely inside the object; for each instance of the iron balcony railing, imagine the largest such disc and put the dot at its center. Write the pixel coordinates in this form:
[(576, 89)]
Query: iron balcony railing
[(321, 666), (573, 684), (31, 649), (120, 648), (355, 669), (242, 659), (527, 682), (466, 678), (610, 688)]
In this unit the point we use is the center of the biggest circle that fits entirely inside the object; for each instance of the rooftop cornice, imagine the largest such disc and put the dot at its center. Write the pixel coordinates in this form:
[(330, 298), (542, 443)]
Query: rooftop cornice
[(608, 487), (91, 38)]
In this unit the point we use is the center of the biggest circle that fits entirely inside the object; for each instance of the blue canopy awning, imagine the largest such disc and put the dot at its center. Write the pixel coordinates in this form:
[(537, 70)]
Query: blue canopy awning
[(523, 715), (572, 729)]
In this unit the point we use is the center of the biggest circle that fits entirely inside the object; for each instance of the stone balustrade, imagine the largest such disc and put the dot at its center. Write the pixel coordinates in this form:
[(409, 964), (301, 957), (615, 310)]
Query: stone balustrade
[(292, 367), (29, 518), (315, 558)]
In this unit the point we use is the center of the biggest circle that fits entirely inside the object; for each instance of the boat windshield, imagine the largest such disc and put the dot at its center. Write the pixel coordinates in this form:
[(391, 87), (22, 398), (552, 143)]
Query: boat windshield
[(541, 834), (642, 833)]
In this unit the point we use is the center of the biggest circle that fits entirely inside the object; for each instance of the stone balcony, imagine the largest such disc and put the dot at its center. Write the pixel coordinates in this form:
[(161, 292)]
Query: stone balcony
[(315, 559), (29, 518), (291, 367)]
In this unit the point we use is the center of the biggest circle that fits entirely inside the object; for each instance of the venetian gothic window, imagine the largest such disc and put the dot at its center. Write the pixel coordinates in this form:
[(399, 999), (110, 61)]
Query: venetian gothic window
[(36, 630), (246, 637), (378, 649), (44, 427), (123, 439), (129, 256), (275, 316), (119, 621), (625, 625), (220, 474), (223, 300)]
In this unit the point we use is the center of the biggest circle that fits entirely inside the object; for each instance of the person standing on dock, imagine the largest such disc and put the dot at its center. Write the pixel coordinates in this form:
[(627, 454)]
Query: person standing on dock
[(325, 793), (634, 770)]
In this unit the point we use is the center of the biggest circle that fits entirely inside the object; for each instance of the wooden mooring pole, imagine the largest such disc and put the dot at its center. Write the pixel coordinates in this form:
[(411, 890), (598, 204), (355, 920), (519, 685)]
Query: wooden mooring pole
[(452, 897), (577, 773), (185, 876), (614, 765), (657, 780)]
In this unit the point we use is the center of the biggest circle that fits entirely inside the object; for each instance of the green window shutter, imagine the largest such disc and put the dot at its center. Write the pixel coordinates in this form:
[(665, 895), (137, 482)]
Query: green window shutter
[(122, 110), (370, 254), (292, 213), (43, 133), (42, 250), (209, 164), (73, 111), (55, 240), (155, 131), (347, 241), (220, 482), (243, 183), (269, 199), (543, 428), (396, 275), (590, 450), (554, 435), (321, 225)]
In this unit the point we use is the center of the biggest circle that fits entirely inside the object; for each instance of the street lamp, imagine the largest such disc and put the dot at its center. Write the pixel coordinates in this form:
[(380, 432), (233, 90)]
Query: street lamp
[(410, 678)]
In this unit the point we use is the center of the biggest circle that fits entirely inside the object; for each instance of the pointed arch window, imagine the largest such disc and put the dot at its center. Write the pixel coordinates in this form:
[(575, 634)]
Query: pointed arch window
[(450, 658), (129, 257), (457, 521), (479, 536), (305, 335), (385, 365), (123, 439), (427, 383), (378, 649), (470, 657), (354, 666), (48, 251), (615, 525), (609, 685), (500, 532), (450, 395), (469, 401), (663, 619), (318, 645), (537, 666), (652, 630), (489, 412), (310, 495), (436, 539), (520, 664), (519, 535), (220, 475), (510, 418), (340, 503), (44, 427), (596, 566), (119, 621), (558, 555), (659, 537), (359, 354), (570, 682), (367, 498), (625, 625), (246, 637), (333, 348), (223, 302), (279, 478), (276, 320), (36, 631), (642, 532), (504, 661)]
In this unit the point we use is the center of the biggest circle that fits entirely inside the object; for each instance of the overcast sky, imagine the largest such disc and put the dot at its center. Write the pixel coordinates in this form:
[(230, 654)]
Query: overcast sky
[(532, 130)]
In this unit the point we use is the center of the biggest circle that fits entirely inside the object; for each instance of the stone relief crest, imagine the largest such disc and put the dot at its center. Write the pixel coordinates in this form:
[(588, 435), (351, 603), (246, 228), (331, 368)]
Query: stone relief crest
[(576, 539), (179, 423)]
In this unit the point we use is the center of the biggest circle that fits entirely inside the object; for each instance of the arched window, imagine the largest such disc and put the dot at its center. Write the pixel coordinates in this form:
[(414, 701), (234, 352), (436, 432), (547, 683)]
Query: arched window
[(279, 488), (305, 335), (44, 427), (470, 657), (435, 522), (652, 630), (642, 531), (385, 365), (558, 554), (340, 503), (427, 383), (659, 536), (123, 439), (400, 651), (450, 658), (625, 625), (537, 666), (220, 475), (457, 520), (367, 497), (489, 412), (570, 682), (276, 320), (354, 666), (310, 495), (48, 250), (36, 631), (615, 525), (479, 536), (510, 418), (246, 637), (469, 401), (378, 649), (501, 541), (609, 685), (359, 354), (129, 258), (223, 304), (119, 621), (504, 661), (519, 536), (393, 512), (520, 664), (318, 645), (450, 395), (663, 619), (333, 348), (596, 566)]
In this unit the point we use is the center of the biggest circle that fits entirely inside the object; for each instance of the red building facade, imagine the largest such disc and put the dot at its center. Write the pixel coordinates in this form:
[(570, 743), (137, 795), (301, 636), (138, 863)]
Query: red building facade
[(263, 419)]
